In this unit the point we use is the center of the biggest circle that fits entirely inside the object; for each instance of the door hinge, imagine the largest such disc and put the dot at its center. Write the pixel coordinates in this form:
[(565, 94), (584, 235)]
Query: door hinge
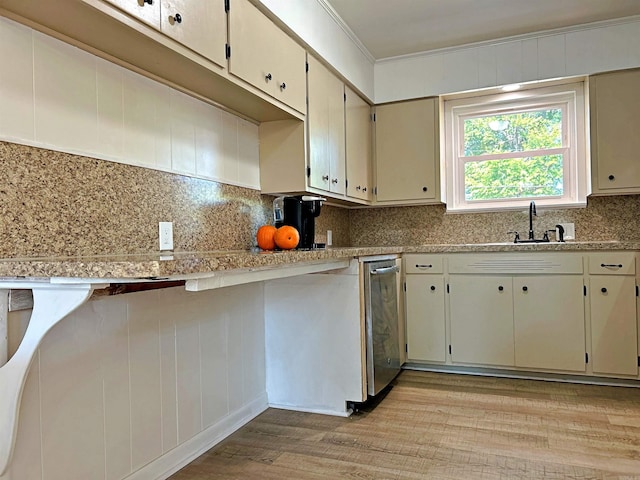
[(306, 67), (227, 50), (449, 349), (404, 286), (227, 7), (345, 97), (346, 183), (637, 291), (375, 190), (374, 117), (406, 348), (447, 288), (639, 361), (308, 171), (586, 357), (584, 290)]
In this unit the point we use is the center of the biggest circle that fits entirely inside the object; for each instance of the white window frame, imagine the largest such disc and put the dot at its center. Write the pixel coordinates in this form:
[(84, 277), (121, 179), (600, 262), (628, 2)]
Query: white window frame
[(570, 97)]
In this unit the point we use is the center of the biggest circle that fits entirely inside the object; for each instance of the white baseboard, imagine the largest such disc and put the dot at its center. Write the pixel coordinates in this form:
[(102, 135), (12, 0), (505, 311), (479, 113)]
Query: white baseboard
[(172, 461), (321, 411)]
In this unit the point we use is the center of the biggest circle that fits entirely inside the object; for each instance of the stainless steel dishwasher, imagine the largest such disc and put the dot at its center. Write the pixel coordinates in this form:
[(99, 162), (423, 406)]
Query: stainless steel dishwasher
[(381, 313)]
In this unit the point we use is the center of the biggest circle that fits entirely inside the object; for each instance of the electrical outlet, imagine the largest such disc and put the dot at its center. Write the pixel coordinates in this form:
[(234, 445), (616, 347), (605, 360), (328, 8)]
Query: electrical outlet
[(166, 235)]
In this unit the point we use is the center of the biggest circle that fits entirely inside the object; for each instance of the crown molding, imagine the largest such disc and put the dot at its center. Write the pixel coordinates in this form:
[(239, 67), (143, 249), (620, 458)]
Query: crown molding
[(526, 36), (345, 28)]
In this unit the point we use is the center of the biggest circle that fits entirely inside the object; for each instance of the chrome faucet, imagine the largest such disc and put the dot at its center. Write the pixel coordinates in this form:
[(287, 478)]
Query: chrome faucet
[(532, 213)]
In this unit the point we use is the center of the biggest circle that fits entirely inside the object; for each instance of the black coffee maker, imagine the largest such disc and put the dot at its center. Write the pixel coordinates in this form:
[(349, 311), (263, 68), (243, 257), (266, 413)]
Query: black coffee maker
[(299, 212)]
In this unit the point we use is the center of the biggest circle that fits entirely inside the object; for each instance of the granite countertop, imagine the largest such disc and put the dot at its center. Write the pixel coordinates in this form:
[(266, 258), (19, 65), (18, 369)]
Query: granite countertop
[(157, 266)]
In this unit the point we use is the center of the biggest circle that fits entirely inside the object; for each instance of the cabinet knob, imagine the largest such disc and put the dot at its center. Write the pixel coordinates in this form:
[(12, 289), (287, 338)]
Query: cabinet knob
[(433, 288), (612, 177), (424, 189), (283, 86), (358, 188), (364, 189), (603, 290), (268, 77), (525, 288), (325, 178), (334, 180), (148, 2), (177, 18), (500, 288)]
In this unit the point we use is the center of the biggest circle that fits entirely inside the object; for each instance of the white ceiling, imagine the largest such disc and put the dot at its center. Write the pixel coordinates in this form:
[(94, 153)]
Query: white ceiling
[(389, 28)]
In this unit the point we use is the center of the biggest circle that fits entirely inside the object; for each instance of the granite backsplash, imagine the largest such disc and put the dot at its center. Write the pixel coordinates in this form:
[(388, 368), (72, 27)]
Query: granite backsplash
[(58, 204)]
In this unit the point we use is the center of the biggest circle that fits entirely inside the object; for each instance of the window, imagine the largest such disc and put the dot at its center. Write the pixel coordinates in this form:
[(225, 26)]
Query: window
[(503, 150)]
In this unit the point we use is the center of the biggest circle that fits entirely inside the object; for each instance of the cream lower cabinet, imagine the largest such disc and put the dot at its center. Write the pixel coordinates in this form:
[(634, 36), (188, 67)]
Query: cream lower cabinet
[(612, 298), (549, 322), (481, 312), (407, 152), (425, 309)]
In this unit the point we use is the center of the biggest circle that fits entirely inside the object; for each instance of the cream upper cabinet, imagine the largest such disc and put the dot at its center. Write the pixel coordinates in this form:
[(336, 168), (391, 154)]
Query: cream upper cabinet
[(325, 121), (146, 10), (359, 145), (549, 327), (407, 152), (614, 326), (197, 24), (615, 121), (265, 56)]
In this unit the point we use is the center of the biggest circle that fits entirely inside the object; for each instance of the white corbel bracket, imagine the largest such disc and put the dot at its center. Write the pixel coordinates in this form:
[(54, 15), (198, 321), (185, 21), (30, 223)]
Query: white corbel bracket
[(51, 303)]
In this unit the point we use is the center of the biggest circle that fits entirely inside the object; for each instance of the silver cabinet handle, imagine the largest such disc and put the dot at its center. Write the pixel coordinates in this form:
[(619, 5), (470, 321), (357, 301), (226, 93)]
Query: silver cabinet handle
[(325, 177), (385, 270), (335, 180)]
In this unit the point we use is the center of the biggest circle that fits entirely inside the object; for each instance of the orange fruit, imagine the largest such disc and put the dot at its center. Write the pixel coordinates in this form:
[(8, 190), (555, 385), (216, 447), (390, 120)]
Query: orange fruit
[(287, 237), (265, 237)]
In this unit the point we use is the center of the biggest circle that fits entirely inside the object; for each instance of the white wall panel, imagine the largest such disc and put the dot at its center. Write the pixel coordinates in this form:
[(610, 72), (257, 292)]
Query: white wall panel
[(529, 60), (551, 57), (71, 400), (188, 375), (66, 110), (16, 78), (509, 62), (146, 394), (114, 337), (183, 133), (109, 83), (593, 49), (85, 105), (461, 69), (117, 380), (487, 67)]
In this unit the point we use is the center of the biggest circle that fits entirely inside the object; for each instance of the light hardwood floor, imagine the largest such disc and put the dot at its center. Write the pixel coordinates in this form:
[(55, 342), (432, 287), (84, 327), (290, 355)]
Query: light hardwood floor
[(444, 426)]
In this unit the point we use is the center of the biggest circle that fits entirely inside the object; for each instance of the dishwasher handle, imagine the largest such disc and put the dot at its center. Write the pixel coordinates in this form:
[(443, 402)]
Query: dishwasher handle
[(385, 270)]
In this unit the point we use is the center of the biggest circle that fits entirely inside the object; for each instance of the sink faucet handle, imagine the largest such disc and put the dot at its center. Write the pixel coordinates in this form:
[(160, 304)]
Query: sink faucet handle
[(517, 236)]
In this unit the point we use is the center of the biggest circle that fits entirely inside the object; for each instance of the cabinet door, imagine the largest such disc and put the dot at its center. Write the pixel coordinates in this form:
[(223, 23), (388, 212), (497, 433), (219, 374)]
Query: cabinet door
[(265, 56), (426, 339), (613, 325), (148, 13), (325, 120), (406, 150), (359, 143), (615, 118), (549, 322), (198, 25), (481, 309)]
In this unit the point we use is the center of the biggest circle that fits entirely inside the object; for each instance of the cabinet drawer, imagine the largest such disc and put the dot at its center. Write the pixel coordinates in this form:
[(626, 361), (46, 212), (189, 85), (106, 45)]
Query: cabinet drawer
[(423, 263), (622, 263)]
